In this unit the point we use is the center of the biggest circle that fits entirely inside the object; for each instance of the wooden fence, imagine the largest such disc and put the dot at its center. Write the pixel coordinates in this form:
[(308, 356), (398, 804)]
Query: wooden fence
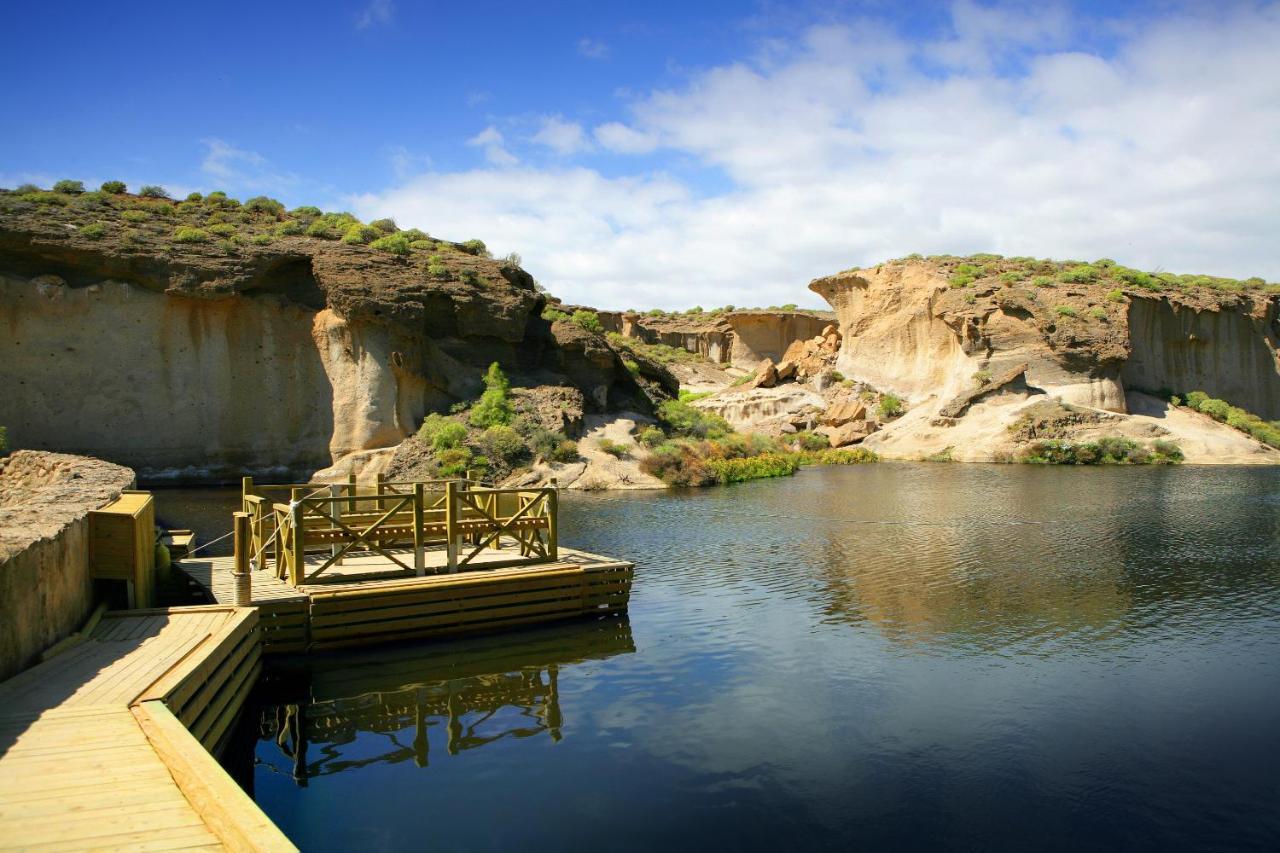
[(398, 521)]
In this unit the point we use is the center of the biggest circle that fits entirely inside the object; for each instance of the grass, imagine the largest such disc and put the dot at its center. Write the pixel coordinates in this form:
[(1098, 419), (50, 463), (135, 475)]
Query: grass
[(890, 406), (94, 230)]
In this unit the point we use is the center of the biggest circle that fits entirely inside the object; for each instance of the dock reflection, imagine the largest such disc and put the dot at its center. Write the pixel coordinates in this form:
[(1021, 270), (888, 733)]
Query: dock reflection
[(387, 702)]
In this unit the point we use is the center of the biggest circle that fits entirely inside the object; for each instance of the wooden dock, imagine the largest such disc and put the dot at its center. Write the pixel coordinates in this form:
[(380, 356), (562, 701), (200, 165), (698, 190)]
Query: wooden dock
[(369, 598), (105, 746)]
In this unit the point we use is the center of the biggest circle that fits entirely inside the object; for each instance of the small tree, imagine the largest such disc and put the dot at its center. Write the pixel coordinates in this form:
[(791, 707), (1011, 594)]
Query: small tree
[(153, 191), (494, 407), (113, 187), (68, 186)]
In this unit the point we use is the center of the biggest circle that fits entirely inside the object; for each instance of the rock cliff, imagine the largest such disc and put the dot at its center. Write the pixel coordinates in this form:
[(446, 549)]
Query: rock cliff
[(262, 344), (1096, 335)]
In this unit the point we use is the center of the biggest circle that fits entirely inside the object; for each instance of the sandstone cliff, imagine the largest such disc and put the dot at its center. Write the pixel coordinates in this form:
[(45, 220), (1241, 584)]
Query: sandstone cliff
[(1097, 336), (253, 347)]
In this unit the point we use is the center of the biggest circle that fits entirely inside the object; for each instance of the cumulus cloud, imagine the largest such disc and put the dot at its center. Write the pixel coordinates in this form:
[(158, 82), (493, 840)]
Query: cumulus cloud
[(619, 138), (376, 13), (849, 146), (494, 145), (562, 137)]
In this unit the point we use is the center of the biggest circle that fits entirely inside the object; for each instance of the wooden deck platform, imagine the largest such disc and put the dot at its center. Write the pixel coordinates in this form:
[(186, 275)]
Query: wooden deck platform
[(368, 599), (101, 746)]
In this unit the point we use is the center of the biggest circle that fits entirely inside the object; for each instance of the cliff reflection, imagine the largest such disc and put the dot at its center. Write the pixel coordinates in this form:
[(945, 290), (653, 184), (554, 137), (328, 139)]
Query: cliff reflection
[(392, 706)]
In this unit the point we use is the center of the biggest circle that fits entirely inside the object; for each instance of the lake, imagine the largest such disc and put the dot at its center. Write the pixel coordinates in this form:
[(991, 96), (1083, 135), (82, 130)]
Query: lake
[(893, 655)]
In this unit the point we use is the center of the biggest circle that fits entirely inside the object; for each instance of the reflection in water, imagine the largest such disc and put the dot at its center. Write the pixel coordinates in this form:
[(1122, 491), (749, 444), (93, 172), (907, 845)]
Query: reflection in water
[(396, 702), (919, 656)]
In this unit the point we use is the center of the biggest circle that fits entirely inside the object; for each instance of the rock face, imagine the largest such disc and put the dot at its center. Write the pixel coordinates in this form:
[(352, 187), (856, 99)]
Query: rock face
[(972, 354), (46, 590), (193, 361), (741, 339)]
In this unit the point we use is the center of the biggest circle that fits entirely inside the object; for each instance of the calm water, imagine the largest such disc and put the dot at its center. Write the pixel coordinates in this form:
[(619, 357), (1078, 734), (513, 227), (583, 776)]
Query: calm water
[(915, 656)]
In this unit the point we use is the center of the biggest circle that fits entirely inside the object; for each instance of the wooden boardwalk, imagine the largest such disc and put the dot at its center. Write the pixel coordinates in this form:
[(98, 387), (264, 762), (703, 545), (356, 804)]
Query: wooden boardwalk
[(368, 599), (101, 747)]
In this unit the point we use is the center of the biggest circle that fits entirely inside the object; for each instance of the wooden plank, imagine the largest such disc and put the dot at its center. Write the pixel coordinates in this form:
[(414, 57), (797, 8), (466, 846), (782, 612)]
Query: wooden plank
[(228, 811)]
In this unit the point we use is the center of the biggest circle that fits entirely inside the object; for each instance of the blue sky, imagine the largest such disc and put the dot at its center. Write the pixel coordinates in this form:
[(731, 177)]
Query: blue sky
[(678, 153)]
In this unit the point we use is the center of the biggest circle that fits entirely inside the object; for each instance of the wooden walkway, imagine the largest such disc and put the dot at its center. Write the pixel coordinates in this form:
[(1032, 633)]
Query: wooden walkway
[(368, 599), (98, 746)]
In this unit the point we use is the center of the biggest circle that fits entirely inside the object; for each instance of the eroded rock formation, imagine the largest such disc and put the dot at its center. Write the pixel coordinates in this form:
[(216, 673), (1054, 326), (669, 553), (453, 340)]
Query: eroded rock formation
[(200, 360)]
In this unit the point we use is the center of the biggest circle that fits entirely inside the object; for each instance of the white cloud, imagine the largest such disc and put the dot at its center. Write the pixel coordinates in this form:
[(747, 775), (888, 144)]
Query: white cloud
[(593, 48), (495, 151), (562, 137), (849, 148), (376, 13), (617, 137), (240, 169)]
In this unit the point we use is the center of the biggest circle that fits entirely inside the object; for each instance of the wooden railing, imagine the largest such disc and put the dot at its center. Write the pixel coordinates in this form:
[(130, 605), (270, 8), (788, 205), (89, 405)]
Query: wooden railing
[(394, 520)]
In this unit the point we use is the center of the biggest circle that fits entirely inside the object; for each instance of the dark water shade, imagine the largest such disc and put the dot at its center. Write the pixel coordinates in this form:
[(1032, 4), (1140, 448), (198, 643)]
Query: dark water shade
[(890, 656)]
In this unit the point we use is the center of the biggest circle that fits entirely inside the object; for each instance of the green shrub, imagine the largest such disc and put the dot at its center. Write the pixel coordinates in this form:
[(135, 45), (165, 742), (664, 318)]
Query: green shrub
[(262, 240), (475, 247), (683, 419), (23, 189), (1237, 418), (69, 187), (94, 230), (1098, 313), (387, 226), (436, 267), (1042, 281), (588, 320), (469, 276), (328, 227), (1109, 450), (194, 197), (844, 456), (1064, 311), (1079, 274), (651, 436), (187, 234), (153, 191), (614, 448), (502, 442), (454, 461), (981, 377), (961, 280), (449, 434), (306, 211), (677, 464), (221, 229), (552, 446), (358, 235), (811, 441), (494, 406), (264, 204), (92, 199), (1115, 295), (754, 467), (47, 198), (554, 314), (288, 228), (187, 208), (396, 244), (113, 187), (410, 234), (890, 406), (1012, 276)]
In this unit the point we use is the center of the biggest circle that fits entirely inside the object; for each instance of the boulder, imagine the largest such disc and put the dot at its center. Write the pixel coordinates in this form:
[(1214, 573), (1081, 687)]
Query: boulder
[(849, 433), (843, 411), (786, 370), (766, 375)]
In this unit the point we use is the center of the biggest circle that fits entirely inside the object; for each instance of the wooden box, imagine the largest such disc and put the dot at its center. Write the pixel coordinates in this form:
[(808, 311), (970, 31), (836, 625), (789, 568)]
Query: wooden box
[(122, 544)]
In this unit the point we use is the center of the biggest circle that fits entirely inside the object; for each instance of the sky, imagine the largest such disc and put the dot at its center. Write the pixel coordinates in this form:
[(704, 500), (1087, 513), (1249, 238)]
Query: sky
[(666, 154)]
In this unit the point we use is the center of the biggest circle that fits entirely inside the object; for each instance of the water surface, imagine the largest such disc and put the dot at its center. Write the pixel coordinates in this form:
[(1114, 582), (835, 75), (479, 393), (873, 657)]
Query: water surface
[(893, 655)]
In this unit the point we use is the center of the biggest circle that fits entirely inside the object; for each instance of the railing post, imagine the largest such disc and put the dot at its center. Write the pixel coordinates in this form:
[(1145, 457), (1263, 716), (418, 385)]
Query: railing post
[(297, 569), (243, 579), (351, 491), (419, 532), (451, 523), (335, 492), (553, 522), (382, 490), (246, 489)]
